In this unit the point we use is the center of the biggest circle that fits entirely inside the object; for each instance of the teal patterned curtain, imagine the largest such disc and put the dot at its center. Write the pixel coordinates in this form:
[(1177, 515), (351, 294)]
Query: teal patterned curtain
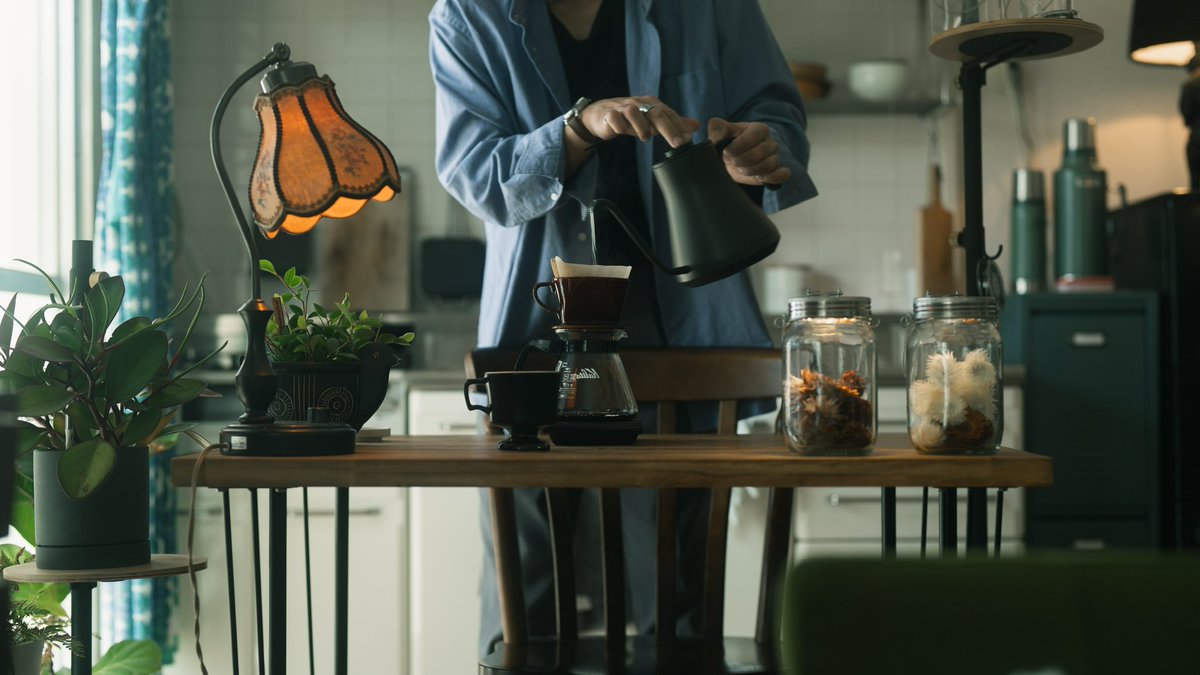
[(135, 226)]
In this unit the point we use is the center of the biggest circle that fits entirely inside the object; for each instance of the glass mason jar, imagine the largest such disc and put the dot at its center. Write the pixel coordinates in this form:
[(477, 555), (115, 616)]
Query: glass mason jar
[(829, 362), (954, 365)]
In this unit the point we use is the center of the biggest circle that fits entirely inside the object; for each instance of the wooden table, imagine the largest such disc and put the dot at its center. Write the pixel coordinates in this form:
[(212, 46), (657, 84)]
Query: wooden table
[(655, 461), (84, 581)]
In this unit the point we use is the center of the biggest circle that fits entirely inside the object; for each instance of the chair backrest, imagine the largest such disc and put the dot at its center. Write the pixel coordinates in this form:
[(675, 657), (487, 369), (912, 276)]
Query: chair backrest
[(667, 378)]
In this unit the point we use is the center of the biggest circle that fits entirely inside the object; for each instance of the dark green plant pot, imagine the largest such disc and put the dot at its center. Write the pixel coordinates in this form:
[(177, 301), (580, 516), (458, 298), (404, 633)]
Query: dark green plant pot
[(27, 658), (111, 528), (351, 391)]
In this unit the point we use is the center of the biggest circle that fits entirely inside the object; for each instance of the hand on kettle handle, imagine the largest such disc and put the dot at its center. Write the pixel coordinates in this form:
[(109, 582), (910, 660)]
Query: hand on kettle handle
[(486, 409), (750, 154)]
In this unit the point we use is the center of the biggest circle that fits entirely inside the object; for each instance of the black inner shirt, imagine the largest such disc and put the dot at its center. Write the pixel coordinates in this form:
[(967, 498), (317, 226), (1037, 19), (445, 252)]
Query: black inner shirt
[(596, 68)]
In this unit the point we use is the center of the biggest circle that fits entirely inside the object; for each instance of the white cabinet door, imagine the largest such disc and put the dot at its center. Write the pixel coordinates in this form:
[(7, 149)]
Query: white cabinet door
[(446, 549), (377, 583)]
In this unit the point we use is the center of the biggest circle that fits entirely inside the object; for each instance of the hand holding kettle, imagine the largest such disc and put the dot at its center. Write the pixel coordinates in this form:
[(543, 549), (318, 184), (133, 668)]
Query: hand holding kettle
[(752, 156)]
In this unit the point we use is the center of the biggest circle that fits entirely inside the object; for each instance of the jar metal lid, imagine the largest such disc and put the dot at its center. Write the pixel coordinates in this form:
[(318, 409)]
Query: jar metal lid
[(829, 305), (955, 307)]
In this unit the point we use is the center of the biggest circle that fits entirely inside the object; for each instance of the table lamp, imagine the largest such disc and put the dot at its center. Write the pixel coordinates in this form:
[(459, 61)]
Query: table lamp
[(715, 228), (1167, 33), (313, 162)]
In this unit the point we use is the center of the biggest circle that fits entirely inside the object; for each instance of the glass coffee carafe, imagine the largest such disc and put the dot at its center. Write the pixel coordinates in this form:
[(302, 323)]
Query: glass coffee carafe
[(593, 386)]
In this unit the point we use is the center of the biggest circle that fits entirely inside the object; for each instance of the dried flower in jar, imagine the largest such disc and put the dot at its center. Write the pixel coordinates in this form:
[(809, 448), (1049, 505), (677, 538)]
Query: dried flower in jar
[(954, 406), (831, 414)]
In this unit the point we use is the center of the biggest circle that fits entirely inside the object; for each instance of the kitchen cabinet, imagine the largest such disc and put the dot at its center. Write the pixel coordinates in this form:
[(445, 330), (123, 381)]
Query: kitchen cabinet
[(445, 546), (1091, 403)]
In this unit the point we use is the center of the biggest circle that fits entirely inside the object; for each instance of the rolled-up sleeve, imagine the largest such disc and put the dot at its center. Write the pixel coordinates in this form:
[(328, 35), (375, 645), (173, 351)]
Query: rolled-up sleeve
[(758, 88), (501, 173)]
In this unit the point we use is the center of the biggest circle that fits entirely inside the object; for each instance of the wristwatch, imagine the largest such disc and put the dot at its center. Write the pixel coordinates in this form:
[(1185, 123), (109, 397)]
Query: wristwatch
[(571, 119)]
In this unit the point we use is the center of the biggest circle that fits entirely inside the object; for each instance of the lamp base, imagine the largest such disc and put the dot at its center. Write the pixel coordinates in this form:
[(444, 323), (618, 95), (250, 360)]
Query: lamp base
[(287, 439)]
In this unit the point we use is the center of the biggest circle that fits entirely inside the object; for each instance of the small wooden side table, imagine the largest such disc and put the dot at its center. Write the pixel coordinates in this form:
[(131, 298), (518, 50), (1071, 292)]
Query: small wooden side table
[(84, 581)]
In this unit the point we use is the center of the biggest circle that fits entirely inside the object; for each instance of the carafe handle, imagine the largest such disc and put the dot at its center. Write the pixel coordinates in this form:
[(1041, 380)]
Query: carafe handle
[(544, 346)]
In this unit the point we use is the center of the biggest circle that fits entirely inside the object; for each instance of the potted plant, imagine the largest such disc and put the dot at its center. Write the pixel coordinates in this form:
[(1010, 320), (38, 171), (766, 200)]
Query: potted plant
[(91, 401), (38, 622), (335, 358)]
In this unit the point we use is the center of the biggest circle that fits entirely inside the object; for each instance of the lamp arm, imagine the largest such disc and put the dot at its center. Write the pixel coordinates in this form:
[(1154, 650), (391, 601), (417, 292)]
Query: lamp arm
[(638, 240), (279, 53)]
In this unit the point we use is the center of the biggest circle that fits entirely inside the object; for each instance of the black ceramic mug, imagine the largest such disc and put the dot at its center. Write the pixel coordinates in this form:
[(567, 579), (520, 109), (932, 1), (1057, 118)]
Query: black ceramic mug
[(522, 401)]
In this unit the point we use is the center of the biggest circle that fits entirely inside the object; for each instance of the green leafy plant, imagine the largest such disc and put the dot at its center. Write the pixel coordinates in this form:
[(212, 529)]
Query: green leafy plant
[(304, 331), (90, 391), (36, 614)]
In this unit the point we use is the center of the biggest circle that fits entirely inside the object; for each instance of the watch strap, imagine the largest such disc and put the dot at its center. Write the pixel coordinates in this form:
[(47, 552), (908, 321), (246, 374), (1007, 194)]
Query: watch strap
[(572, 119)]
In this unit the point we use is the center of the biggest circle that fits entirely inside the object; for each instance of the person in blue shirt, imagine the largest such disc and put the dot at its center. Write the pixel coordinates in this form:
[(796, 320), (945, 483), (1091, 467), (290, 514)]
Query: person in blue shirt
[(545, 105)]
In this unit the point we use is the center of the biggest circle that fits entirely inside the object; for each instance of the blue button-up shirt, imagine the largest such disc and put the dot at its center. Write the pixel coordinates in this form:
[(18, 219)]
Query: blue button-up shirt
[(501, 94)]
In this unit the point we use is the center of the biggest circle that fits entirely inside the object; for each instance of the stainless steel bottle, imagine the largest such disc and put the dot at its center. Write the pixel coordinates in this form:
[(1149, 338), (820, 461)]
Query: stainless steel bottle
[(1029, 231), (1080, 188)]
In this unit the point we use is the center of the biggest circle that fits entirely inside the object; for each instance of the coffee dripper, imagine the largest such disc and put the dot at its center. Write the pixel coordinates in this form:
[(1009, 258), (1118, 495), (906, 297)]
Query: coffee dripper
[(595, 402)]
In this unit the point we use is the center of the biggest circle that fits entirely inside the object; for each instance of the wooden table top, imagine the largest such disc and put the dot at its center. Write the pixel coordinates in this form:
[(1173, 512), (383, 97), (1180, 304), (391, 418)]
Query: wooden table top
[(161, 565), (654, 461)]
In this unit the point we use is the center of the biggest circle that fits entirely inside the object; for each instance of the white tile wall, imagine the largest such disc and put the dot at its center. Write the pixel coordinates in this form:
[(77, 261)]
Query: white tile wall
[(376, 51), (871, 170)]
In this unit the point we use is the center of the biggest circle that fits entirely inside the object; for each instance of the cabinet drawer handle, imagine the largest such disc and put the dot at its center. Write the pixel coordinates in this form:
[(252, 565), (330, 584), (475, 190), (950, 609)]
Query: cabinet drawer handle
[(329, 513), (456, 426), (1088, 545), (1088, 339), (836, 500)]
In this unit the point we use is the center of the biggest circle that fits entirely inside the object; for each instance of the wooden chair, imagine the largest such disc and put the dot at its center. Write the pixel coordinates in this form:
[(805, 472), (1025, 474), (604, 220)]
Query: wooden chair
[(666, 378)]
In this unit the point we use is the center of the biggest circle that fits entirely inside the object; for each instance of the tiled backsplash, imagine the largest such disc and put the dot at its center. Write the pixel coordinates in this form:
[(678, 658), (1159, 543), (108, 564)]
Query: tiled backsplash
[(872, 171)]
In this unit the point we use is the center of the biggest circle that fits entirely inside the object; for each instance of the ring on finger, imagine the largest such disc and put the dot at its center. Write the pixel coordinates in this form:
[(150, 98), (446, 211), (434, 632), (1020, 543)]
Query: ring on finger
[(645, 108)]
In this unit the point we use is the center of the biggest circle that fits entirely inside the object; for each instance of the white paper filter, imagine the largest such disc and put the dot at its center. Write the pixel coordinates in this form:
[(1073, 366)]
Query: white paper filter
[(561, 268)]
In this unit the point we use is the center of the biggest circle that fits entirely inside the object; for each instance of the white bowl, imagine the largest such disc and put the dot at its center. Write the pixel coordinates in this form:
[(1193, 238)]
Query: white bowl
[(879, 80)]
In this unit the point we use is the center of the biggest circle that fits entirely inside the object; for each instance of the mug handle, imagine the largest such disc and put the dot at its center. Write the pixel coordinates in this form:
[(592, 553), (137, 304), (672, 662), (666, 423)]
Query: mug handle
[(546, 284), (486, 409)]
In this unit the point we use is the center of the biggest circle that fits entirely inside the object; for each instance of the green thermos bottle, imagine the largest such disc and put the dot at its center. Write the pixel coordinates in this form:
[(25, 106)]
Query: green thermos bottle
[(1029, 231), (1080, 197)]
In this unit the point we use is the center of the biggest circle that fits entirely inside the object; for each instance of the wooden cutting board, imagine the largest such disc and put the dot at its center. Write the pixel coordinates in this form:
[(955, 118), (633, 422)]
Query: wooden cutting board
[(935, 252)]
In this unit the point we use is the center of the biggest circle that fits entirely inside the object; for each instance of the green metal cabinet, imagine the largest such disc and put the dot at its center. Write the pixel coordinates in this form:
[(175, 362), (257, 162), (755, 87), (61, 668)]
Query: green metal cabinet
[(1090, 403)]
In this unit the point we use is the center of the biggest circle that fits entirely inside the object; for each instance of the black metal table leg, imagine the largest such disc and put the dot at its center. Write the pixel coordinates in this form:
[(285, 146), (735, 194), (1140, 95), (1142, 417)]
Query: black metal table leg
[(889, 522), (258, 586), (342, 581), (312, 662), (277, 593), (924, 518), (976, 520), (81, 626), (948, 530), (999, 519), (233, 634)]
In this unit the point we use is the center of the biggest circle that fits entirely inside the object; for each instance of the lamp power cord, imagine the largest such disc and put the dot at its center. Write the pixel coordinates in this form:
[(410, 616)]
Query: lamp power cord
[(191, 535)]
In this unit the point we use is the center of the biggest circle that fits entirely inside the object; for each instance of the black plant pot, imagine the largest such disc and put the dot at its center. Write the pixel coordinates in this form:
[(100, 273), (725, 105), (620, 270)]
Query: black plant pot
[(111, 528), (350, 391)]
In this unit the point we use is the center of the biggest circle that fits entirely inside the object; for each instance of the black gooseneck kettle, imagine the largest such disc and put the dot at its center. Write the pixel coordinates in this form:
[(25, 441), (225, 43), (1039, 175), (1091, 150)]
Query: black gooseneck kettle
[(716, 230)]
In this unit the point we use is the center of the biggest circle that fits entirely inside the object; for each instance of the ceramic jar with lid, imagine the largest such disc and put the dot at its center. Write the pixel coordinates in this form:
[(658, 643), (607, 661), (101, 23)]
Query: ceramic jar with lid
[(954, 365), (829, 363)]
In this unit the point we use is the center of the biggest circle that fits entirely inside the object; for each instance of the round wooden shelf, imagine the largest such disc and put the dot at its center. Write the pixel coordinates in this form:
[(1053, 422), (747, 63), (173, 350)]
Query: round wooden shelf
[(161, 565), (1047, 38)]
